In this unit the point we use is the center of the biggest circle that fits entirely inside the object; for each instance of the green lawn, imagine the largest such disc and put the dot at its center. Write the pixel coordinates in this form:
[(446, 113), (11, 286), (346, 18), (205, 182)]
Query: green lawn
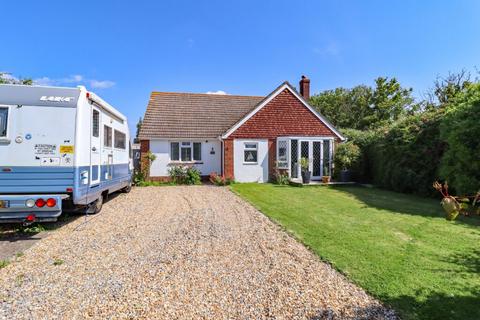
[(397, 247)]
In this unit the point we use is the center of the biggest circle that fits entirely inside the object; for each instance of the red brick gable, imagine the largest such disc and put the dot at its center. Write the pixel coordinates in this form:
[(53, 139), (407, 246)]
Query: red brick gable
[(284, 115)]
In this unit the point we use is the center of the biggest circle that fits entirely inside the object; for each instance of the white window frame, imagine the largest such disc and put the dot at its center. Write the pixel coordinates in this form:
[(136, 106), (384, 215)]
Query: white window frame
[(9, 112), (283, 163), (246, 148), (186, 145)]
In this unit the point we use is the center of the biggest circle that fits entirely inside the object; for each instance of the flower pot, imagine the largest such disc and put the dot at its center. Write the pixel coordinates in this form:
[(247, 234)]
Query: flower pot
[(306, 176), (345, 176), (326, 179)]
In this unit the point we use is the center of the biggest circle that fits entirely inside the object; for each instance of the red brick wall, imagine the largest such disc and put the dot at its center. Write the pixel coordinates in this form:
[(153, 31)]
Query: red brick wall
[(144, 149), (228, 158), (285, 115)]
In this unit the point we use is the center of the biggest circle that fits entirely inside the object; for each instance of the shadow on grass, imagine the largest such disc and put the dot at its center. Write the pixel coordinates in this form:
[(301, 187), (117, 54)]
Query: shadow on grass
[(435, 306), (402, 203)]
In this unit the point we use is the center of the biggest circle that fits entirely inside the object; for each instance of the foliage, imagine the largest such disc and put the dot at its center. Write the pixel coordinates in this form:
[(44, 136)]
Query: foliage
[(6, 78), (460, 129), (346, 155), (184, 175), (304, 164), (219, 180), (140, 177), (4, 263), (364, 107), (446, 89), (280, 176), (395, 246), (139, 126)]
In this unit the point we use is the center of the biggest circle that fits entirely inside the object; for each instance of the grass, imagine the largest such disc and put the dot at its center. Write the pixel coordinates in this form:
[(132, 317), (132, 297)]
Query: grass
[(398, 247), (4, 263)]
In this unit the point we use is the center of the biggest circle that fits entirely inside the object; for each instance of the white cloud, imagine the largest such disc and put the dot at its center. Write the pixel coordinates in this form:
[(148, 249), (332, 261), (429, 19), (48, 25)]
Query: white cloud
[(75, 79), (101, 84), (220, 92)]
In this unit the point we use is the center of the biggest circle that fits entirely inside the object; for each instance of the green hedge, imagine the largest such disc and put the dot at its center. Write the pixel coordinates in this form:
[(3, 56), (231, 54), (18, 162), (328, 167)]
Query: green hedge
[(440, 144)]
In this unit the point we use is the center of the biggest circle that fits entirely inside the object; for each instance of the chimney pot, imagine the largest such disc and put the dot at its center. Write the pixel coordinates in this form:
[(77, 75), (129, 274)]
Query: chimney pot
[(305, 87)]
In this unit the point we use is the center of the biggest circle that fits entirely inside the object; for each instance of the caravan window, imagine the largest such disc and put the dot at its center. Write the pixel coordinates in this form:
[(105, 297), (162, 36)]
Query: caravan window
[(96, 123), (120, 140), (107, 136), (3, 122)]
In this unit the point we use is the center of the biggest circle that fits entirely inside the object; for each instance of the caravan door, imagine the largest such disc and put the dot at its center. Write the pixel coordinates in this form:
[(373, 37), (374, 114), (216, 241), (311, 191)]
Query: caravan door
[(95, 158)]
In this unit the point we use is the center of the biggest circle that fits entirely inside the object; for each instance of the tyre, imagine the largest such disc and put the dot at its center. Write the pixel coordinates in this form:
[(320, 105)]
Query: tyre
[(96, 206), (128, 188)]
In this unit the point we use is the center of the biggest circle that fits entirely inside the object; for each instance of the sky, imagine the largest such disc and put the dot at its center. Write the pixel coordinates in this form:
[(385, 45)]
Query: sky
[(124, 50)]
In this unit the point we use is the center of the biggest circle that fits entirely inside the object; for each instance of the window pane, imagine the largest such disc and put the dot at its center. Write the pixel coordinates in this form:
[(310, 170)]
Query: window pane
[(120, 140), (326, 158), (250, 146), (186, 154), (96, 123), (250, 156), (107, 136), (174, 156), (3, 122), (197, 151)]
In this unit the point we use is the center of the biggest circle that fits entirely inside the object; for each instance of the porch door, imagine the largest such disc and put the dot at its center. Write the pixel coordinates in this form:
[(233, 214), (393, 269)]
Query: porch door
[(317, 160)]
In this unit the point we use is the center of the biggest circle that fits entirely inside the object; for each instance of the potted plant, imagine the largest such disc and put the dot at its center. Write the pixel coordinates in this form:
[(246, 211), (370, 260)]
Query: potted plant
[(326, 174), (306, 174), (346, 156)]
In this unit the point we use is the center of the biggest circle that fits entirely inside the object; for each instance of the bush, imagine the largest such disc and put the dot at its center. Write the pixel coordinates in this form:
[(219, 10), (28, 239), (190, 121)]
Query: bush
[(219, 180), (346, 155), (184, 175), (460, 128)]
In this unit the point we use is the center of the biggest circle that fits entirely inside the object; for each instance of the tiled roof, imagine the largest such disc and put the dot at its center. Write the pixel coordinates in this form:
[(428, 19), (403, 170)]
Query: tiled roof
[(193, 115)]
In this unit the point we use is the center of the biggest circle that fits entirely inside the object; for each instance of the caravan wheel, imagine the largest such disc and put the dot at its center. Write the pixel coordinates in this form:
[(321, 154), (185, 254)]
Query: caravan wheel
[(96, 206), (128, 188)]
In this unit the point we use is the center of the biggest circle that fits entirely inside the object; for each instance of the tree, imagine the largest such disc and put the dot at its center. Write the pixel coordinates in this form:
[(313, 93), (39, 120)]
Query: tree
[(364, 107), (446, 88), (139, 126), (6, 78)]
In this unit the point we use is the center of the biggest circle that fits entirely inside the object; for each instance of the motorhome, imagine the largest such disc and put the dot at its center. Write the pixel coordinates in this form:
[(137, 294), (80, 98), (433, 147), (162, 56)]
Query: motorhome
[(59, 147)]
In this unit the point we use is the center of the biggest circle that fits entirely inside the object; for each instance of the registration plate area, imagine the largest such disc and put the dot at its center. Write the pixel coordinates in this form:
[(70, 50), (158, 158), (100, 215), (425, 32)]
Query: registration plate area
[(4, 204)]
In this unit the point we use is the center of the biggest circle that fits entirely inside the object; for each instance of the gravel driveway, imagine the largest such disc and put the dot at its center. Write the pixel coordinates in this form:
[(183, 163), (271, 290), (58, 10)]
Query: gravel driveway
[(177, 253)]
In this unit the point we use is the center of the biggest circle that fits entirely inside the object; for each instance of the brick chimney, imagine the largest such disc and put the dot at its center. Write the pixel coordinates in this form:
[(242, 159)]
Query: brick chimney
[(305, 87)]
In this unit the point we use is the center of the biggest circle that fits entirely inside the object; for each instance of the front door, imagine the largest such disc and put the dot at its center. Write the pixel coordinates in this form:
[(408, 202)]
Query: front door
[(95, 159)]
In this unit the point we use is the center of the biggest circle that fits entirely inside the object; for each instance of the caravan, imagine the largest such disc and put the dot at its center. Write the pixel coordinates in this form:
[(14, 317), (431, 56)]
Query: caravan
[(59, 147)]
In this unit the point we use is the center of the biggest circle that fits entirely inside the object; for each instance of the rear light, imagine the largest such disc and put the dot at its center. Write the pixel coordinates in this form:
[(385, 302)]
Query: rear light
[(30, 217), (69, 189), (40, 203), (51, 202), (30, 203)]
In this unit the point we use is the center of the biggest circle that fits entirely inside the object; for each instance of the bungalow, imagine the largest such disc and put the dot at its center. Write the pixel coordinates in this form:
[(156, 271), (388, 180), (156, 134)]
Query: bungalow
[(242, 137)]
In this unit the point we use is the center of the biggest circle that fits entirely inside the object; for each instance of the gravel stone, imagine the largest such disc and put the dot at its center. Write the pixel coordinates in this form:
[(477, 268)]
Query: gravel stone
[(195, 252)]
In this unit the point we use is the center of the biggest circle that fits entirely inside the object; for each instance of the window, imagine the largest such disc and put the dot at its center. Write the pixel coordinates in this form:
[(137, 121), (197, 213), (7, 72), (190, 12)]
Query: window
[(120, 139), (185, 151), (250, 152), (282, 155), (96, 123), (197, 151), (3, 122), (107, 136), (174, 155)]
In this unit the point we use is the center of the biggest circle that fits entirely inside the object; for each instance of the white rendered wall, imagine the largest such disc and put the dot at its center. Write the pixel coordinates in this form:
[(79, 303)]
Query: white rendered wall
[(249, 172)]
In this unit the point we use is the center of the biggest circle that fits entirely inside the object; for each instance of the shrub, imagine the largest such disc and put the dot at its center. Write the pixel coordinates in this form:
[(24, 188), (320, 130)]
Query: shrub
[(460, 128), (184, 175), (346, 155), (219, 180)]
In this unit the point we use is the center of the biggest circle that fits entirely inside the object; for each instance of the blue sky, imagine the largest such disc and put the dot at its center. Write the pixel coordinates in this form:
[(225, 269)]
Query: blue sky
[(123, 50)]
